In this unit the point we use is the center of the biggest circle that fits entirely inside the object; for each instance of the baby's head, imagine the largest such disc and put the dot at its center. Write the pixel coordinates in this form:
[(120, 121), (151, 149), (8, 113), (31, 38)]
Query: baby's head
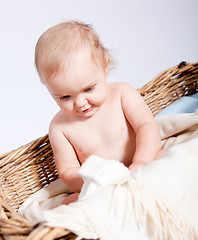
[(58, 46)]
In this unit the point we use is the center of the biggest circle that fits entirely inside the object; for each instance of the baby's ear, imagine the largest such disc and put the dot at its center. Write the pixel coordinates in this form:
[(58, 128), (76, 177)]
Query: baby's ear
[(106, 65)]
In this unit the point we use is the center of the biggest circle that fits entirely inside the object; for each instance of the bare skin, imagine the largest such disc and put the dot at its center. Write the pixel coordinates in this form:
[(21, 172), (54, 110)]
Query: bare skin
[(96, 118)]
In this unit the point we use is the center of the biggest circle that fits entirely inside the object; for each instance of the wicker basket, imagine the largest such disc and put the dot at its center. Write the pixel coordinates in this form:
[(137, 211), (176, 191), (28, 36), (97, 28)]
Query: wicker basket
[(31, 167)]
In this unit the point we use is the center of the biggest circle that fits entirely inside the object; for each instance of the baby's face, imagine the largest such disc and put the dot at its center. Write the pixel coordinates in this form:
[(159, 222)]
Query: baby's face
[(79, 89)]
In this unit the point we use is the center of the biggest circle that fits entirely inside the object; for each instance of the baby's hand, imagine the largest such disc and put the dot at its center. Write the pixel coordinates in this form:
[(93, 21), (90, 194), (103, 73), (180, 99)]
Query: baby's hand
[(71, 198), (139, 164), (134, 166)]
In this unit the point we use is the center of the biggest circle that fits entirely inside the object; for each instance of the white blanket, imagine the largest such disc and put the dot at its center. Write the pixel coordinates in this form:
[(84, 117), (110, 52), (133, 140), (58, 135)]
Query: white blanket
[(156, 202)]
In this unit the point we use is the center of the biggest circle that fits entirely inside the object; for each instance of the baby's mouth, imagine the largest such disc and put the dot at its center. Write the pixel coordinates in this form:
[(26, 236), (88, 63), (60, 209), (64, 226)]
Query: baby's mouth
[(86, 110)]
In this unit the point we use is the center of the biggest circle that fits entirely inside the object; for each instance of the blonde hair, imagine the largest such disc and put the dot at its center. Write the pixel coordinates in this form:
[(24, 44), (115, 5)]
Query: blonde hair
[(63, 40)]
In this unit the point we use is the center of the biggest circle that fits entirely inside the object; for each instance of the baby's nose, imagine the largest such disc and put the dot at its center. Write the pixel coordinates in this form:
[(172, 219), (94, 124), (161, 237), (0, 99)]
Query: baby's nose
[(80, 101)]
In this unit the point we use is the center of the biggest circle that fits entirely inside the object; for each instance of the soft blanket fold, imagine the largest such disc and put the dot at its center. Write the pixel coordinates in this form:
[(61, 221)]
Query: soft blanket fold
[(158, 201)]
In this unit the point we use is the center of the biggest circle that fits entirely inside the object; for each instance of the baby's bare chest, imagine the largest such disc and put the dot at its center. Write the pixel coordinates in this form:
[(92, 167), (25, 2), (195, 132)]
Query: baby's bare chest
[(109, 137)]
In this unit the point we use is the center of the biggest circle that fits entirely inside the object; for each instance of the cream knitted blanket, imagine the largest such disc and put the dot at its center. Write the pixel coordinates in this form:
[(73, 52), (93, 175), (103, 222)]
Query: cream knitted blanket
[(156, 202)]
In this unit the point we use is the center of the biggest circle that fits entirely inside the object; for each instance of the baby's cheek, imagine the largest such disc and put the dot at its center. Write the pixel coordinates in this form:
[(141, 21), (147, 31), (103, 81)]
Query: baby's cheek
[(66, 107), (101, 97)]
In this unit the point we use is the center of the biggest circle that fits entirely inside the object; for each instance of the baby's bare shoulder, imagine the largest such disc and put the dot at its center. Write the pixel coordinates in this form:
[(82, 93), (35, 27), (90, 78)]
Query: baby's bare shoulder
[(58, 122), (121, 87)]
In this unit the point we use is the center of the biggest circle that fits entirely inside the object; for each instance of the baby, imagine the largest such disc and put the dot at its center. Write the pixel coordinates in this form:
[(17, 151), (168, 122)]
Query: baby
[(110, 120)]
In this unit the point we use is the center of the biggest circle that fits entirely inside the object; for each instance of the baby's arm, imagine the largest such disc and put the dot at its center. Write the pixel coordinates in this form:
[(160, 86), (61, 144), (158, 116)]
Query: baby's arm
[(66, 161), (147, 132)]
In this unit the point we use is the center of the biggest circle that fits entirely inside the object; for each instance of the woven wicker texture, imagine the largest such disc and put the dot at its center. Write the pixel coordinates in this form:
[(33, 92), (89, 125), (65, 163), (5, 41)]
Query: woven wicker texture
[(31, 167)]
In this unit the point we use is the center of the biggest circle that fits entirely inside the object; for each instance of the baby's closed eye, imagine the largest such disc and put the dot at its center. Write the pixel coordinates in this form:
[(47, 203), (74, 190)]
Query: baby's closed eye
[(89, 89), (65, 97)]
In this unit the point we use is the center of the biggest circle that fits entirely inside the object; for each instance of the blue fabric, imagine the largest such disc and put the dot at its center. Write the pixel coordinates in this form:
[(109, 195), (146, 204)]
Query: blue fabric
[(186, 104)]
